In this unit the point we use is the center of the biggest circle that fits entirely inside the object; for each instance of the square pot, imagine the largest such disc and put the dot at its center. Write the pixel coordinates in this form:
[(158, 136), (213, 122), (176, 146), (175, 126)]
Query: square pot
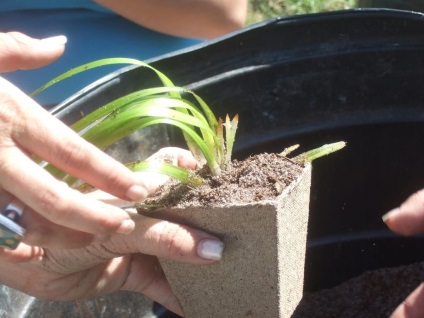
[(261, 272)]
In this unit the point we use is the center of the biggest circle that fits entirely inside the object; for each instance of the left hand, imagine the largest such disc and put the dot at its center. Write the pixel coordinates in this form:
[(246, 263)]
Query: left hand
[(408, 219)]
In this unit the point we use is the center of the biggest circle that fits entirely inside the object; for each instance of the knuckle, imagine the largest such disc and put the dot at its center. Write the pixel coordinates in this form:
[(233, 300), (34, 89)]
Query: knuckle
[(104, 223), (12, 116), (414, 202), (56, 261), (419, 197), (174, 239), (114, 179), (72, 153), (53, 205), (6, 113), (16, 47), (167, 154)]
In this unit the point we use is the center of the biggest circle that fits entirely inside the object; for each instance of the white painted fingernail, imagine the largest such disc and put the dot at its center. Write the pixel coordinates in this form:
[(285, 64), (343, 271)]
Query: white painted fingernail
[(210, 249), (55, 40), (127, 226), (389, 214)]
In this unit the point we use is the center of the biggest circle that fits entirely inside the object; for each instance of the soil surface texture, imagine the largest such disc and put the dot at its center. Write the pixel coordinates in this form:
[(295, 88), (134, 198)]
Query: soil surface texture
[(257, 178), (374, 294)]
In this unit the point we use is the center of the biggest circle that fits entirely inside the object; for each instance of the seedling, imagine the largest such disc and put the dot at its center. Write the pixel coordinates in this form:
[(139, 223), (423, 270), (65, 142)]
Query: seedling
[(210, 140)]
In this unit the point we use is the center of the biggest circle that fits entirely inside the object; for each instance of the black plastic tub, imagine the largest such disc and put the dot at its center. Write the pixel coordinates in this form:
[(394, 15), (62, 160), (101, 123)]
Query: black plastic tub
[(353, 75)]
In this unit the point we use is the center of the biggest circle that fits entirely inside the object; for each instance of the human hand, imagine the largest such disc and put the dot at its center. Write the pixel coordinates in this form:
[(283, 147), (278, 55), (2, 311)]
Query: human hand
[(408, 219), (125, 262), (56, 215)]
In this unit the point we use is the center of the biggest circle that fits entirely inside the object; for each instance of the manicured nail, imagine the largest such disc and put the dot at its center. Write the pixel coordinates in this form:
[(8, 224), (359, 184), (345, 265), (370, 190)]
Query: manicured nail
[(55, 40), (127, 226), (210, 249), (100, 238), (389, 214), (137, 193)]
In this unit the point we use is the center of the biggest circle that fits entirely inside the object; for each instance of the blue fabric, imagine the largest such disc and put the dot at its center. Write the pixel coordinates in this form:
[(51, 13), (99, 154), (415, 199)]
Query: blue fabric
[(13, 5), (91, 35)]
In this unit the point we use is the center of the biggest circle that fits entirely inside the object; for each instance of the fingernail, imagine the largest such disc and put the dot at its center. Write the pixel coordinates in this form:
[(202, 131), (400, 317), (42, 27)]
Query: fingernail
[(389, 214), (137, 193), (210, 249), (55, 40), (100, 238), (127, 226)]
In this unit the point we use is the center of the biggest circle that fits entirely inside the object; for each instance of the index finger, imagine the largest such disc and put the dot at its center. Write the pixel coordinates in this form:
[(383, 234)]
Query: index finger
[(39, 133), (408, 219), (57, 202)]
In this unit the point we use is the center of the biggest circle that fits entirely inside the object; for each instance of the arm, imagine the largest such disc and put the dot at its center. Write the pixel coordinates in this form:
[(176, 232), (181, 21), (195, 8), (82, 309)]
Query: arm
[(203, 19)]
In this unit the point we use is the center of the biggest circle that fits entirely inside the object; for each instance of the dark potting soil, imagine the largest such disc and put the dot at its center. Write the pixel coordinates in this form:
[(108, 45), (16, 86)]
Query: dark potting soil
[(257, 178), (374, 294)]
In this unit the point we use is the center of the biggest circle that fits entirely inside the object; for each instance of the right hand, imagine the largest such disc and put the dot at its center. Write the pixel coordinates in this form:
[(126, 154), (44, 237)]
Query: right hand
[(56, 214)]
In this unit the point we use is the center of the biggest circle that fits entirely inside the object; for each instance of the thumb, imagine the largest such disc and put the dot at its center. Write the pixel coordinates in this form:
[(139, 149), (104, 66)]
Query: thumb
[(21, 52)]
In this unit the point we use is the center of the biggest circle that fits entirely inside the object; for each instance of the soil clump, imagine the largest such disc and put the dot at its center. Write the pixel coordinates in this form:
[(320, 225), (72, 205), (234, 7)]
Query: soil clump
[(257, 178)]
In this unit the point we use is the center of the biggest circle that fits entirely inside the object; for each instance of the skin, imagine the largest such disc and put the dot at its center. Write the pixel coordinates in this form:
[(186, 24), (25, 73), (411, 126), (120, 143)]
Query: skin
[(77, 245), (124, 262), (202, 19), (408, 220), (25, 131)]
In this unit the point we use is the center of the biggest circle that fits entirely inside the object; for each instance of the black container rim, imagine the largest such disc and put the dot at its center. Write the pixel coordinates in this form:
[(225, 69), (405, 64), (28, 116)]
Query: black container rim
[(63, 108)]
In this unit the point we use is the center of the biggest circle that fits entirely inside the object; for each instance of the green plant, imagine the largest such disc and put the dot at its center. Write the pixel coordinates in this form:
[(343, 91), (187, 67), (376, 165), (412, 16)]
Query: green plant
[(209, 139), (203, 133)]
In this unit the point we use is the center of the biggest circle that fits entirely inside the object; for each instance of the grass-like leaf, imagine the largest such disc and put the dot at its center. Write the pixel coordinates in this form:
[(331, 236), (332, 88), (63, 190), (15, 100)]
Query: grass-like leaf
[(230, 135), (151, 106), (99, 63), (176, 172), (289, 150), (186, 176), (316, 153)]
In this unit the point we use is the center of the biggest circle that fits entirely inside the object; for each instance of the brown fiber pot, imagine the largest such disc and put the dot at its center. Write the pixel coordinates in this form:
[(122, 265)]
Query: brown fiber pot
[(261, 272)]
